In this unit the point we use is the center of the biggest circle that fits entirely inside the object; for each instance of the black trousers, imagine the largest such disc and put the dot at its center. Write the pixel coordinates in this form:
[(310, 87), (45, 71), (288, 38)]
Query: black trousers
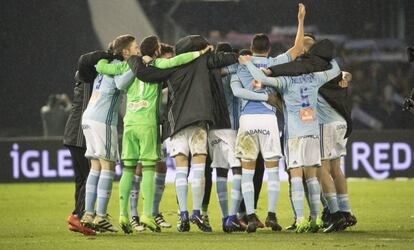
[(81, 167), (257, 182), (208, 174)]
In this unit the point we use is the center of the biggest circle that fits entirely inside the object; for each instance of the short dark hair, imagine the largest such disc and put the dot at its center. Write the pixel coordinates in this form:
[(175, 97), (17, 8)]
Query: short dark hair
[(224, 47), (310, 35), (245, 52), (149, 46), (166, 48), (260, 43)]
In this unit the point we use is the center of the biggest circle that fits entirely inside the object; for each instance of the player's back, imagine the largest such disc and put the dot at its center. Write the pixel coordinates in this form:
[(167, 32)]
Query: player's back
[(248, 82), (300, 98)]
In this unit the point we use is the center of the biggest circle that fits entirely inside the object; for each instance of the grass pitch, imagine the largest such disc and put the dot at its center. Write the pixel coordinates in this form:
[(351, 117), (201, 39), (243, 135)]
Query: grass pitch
[(33, 217)]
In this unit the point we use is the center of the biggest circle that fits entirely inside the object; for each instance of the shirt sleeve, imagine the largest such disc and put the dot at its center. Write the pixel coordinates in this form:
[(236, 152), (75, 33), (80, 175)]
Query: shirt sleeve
[(221, 59), (325, 76), (280, 82), (104, 67), (280, 59), (164, 63), (240, 92), (125, 80), (148, 73)]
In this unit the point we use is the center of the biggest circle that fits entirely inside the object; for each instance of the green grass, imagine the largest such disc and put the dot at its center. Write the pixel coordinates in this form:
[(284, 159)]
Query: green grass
[(33, 217)]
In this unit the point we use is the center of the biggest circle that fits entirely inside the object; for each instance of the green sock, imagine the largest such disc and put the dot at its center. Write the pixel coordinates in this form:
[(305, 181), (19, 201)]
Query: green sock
[(125, 186), (147, 188)]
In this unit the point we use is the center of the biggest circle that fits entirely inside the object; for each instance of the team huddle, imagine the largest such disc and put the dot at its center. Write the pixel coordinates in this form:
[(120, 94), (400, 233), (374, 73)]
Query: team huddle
[(221, 106)]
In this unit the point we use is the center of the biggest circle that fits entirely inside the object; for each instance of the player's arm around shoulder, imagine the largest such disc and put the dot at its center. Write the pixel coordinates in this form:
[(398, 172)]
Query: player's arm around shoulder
[(240, 92), (164, 63), (258, 75), (325, 76), (104, 67), (124, 80)]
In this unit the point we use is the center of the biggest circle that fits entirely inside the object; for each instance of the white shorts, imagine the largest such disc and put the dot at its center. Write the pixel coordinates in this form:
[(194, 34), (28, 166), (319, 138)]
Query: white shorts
[(258, 133), (190, 139), (101, 140), (303, 151), (221, 145), (333, 144)]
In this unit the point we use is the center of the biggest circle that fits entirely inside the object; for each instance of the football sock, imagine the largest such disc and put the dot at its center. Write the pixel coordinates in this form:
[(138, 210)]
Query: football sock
[(236, 195), (314, 196), (297, 197), (125, 185), (332, 202), (197, 185), (91, 190), (134, 195), (273, 188), (147, 187), (248, 190), (181, 186), (104, 191), (159, 190), (343, 203), (221, 184)]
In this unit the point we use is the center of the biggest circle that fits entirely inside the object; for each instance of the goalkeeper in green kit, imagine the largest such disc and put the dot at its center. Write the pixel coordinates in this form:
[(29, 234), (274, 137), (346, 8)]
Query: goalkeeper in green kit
[(141, 132)]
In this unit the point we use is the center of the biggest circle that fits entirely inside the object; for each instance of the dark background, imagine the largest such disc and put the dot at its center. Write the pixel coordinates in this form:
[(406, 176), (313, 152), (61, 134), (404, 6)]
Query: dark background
[(42, 40)]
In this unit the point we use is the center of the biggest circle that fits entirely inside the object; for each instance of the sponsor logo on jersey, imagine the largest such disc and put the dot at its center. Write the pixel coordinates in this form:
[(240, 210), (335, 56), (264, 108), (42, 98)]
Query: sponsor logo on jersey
[(135, 106), (258, 131)]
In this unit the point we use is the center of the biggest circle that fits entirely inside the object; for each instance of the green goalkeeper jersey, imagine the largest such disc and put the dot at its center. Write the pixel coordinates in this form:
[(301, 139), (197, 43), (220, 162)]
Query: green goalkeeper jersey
[(143, 98)]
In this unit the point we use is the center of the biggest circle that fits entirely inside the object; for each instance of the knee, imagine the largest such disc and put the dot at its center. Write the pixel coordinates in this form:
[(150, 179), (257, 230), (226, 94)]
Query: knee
[(246, 164), (199, 158), (181, 160)]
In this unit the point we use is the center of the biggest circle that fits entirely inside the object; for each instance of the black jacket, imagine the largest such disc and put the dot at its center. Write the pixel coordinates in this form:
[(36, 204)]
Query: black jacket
[(73, 135), (195, 92), (195, 89), (318, 59)]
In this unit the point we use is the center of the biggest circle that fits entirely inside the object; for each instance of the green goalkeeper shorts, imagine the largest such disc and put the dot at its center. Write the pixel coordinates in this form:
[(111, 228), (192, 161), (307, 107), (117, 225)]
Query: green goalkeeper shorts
[(140, 143)]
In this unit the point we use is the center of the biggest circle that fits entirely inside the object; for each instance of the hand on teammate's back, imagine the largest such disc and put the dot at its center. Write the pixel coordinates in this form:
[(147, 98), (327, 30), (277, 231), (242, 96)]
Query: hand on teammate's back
[(146, 59), (343, 83), (207, 49)]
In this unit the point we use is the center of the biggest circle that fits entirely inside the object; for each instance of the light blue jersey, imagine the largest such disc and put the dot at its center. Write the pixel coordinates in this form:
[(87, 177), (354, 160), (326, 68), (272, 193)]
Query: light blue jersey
[(300, 95), (255, 107), (106, 95), (327, 114)]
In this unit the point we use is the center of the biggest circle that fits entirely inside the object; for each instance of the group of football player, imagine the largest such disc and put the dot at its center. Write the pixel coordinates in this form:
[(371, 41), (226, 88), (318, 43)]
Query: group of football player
[(223, 109)]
